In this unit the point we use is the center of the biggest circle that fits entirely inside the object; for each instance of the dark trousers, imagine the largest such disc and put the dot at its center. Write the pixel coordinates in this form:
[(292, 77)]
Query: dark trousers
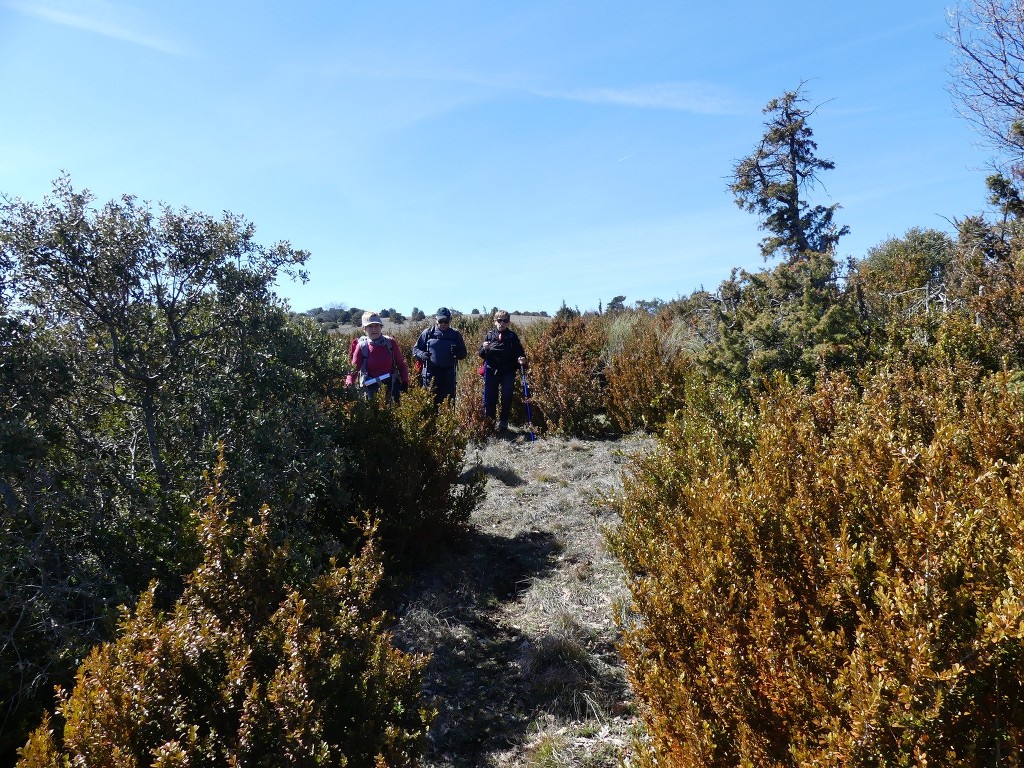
[(394, 389), (503, 381), (441, 380)]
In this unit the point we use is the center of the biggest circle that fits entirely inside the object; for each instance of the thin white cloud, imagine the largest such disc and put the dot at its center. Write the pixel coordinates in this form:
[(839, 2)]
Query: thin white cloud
[(694, 97), (97, 18), (698, 98)]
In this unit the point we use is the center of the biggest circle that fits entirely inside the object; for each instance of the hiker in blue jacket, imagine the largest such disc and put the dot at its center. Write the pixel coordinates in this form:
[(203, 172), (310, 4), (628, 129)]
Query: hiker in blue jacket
[(439, 349)]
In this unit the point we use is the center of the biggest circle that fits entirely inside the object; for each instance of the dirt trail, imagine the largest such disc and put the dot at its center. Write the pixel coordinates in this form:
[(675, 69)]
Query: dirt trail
[(518, 620)]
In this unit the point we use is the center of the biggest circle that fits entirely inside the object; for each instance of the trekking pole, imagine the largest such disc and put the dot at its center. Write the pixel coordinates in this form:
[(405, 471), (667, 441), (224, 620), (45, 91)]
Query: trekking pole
[(486, 373), (526, 400)]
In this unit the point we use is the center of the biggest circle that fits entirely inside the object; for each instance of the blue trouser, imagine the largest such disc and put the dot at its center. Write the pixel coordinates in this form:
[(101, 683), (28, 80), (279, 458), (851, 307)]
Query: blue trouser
[(505, 381), (442, 380)]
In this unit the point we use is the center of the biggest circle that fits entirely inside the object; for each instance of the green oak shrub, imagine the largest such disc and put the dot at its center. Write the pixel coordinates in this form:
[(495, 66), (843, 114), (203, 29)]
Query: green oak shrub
[(244, 670), (831, 577), (406, 470)]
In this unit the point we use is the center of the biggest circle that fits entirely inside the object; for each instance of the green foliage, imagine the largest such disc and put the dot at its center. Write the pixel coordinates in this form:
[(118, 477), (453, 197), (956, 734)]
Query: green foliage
[(1005, 194), (832, 577), (795, 320), (923, 297), (405, 470), (899, 267), (773, 180), (244, 670), (988, 282), (616, 304), (132, 343), (87, 523), (566, 312), (138, 286)]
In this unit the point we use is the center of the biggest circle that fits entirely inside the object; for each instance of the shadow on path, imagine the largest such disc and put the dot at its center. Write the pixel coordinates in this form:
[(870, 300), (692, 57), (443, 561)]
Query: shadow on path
[(476, 678)]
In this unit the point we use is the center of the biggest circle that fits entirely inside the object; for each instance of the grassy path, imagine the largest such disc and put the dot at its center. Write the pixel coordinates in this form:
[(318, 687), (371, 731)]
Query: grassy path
[(518, 619)]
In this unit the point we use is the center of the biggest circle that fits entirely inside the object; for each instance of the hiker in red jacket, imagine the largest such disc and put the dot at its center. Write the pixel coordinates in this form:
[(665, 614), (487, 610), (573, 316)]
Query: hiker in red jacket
[(379, 361)]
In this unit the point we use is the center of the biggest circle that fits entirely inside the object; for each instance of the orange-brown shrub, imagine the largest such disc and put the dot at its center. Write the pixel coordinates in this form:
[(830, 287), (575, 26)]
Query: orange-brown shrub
[(832, 578), (245, 670), (567, 378), (647, 376)]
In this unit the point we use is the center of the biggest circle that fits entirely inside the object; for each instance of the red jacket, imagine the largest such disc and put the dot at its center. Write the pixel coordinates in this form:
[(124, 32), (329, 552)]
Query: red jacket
[(380, 359)]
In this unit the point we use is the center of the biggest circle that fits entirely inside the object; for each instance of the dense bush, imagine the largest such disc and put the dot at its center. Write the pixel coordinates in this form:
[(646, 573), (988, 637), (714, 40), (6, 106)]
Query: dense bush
[(567, 376), (903, 276), (988, 282), (133, 341), (832, 577), (647, 374), (796, 319), (129, 339), (244, 670), (406, 466)]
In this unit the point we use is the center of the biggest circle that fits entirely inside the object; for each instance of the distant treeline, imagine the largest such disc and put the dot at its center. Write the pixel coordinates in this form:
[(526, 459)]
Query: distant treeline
[(341, 315)]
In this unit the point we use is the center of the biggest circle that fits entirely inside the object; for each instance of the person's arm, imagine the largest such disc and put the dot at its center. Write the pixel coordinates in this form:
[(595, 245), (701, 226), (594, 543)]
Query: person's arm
[(459, 347), (355, 357), (485, 350), (420, 350)]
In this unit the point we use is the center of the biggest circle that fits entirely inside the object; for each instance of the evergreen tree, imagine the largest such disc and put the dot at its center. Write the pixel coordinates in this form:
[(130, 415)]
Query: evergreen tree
[(565, 312), (616, 304), (773, 181), (794, 320)]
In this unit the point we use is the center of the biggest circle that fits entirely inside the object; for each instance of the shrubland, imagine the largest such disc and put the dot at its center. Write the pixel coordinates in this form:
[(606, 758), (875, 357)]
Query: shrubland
[(244, 666), (138, 345), (831, 575), (823, 553)]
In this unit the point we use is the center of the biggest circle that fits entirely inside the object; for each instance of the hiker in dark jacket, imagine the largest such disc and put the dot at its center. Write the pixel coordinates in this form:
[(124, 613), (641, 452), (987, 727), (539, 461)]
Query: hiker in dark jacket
[(439, 349), (503, 354)]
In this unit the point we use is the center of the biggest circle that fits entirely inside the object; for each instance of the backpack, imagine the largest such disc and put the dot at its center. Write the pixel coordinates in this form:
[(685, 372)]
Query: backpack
[(364, 347), (442, 346)]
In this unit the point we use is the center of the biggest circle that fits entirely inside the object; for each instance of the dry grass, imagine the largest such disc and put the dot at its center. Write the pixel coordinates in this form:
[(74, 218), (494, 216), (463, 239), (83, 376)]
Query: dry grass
[(518, 619)]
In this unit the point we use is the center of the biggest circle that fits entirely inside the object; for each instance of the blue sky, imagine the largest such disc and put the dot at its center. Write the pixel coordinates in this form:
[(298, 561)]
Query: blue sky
[(479, 154)]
